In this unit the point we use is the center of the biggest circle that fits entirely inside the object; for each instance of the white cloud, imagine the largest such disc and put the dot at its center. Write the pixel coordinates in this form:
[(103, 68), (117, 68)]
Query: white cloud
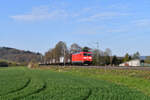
[(101, 16), (120, 6), (59, 13), (118, 30), (41, 13), (133, 26), (142, 22)]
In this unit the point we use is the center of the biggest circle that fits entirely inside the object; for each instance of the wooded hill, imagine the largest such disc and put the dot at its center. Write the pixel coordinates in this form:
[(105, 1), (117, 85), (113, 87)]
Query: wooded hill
[(18, 56)]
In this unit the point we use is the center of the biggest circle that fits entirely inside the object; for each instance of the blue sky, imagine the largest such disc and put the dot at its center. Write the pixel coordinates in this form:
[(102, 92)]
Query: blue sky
[(37, 25)]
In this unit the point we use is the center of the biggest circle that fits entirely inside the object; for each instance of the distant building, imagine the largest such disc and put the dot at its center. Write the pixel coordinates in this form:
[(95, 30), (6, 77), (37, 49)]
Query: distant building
[(134, 63)]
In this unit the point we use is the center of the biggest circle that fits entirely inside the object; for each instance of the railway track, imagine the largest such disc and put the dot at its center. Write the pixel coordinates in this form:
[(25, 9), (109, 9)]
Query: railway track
[(125, 68), (103, 67)]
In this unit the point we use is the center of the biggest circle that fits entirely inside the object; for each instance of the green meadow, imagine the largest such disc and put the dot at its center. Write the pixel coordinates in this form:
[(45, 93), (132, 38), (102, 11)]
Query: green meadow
[(70, 83)]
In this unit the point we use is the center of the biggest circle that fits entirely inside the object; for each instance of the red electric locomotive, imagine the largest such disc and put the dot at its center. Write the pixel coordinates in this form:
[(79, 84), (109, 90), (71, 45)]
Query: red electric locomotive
[(82, 58)]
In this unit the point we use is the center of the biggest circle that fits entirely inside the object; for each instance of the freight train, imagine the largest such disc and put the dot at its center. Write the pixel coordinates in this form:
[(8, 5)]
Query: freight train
[(80, 58)]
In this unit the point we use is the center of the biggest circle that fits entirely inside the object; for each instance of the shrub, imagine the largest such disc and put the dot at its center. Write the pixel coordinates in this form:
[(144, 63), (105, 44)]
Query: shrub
[(3, 63), (33, 65)]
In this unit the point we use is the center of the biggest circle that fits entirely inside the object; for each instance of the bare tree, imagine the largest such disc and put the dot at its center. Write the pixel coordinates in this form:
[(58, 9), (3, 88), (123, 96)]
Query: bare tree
[(136, 55), (60, 50), (108, 56), (75, 48), (108, 52)]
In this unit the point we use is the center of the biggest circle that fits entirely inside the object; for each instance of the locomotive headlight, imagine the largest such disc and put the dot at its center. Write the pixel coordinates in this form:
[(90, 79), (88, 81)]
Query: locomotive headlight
[(85, 57), (90, 57)]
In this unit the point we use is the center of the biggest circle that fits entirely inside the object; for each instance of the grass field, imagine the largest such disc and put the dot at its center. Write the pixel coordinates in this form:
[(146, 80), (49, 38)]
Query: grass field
[(73, 84)]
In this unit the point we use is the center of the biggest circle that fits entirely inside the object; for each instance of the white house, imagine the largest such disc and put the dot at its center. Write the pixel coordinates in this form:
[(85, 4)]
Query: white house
[(134, 63)]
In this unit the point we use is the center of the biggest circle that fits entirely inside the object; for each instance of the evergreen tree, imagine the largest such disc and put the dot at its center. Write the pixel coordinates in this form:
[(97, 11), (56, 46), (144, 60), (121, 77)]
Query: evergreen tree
[(86, 49), (136, 55), (126, 58), (75, 48), (115, 60)]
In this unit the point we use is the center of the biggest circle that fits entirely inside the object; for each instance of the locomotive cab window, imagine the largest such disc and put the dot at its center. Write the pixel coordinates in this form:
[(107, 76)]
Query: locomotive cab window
[(89, 54), (85, 54)]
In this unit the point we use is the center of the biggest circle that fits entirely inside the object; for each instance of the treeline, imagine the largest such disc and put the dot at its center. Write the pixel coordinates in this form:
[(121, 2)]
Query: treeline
[(5, 63), (14, 57), (144, 59), (147, 60), (11, 56), (99, 57), (128, 57), (104, 58)]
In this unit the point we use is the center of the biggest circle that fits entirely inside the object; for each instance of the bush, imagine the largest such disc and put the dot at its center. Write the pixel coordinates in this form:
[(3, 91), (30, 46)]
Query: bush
[(33, 65), (4, 63)]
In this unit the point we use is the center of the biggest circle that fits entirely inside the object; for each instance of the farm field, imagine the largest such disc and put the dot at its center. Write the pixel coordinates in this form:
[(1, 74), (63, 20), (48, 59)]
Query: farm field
[(73, 84)]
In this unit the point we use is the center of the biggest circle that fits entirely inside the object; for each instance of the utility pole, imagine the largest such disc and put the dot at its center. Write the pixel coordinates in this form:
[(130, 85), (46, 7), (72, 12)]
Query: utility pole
[(64, 56), (97, 43), (41, 59)]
